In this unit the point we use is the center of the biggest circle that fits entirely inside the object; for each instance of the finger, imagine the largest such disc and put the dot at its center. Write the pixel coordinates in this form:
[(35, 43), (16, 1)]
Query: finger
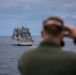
[(69, 27)]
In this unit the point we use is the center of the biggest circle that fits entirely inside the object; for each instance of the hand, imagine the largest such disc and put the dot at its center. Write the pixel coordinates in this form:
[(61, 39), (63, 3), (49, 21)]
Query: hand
[(72, 30)]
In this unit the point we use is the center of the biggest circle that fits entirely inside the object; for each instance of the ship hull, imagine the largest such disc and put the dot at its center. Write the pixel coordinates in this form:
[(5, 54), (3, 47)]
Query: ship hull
[(15, 42)]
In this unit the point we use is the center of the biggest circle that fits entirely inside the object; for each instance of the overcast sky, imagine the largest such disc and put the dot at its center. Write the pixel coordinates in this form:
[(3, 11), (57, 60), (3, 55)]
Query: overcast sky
[(33, 12)]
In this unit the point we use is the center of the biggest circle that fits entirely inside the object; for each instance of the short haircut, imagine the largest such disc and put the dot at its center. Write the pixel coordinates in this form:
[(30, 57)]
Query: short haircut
[(54, 28)]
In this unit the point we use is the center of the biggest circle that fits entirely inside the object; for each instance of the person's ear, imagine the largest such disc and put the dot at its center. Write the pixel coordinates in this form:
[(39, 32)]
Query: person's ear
[(62, 44), (62, 35), (42, 33)]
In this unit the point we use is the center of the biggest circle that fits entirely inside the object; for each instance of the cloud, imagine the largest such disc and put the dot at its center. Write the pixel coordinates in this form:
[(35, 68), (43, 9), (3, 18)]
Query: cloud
[(14, 3), (64, 15), (68, 15), (67, 5), (70, 3), (27, 8), (33, 12), (8, 4)]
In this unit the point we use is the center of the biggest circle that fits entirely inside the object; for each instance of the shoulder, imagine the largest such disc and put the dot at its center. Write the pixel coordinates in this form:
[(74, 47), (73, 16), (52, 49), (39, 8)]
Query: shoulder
[(26, 55), (70, 55), (70, 59)]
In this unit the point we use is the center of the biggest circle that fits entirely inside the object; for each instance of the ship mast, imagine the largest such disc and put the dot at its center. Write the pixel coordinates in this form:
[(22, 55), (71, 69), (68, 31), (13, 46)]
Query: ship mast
[(25, 24), (21, 24), (17, 25)]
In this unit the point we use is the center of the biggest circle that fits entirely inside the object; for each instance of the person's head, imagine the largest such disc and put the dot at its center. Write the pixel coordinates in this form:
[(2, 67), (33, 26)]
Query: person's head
[(53, 29)]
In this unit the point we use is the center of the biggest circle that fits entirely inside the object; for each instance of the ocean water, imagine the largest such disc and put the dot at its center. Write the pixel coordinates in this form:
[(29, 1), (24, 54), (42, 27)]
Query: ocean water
[(10, 54)]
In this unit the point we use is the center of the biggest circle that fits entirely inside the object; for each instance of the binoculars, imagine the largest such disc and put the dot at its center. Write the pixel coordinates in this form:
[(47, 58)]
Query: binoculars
[(67, 33)]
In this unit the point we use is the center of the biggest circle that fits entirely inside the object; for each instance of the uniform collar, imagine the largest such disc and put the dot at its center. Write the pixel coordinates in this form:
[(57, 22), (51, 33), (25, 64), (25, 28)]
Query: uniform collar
[(49, 43)]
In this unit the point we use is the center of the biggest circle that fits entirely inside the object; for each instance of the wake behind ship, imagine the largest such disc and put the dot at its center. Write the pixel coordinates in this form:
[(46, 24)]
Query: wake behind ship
[(22, 37)]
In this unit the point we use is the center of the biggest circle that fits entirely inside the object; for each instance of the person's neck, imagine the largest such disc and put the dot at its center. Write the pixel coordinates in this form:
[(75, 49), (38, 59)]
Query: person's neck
[(56, 40)]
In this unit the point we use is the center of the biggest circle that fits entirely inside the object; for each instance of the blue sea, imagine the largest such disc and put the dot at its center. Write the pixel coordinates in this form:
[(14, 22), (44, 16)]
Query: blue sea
[(10, 54)]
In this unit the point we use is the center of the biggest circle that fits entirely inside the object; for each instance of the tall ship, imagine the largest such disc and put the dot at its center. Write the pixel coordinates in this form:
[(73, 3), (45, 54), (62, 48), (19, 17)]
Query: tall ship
[(22, 37)]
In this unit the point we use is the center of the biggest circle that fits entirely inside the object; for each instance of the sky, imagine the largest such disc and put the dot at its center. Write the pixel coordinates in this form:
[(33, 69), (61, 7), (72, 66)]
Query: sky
[(32, 13)]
